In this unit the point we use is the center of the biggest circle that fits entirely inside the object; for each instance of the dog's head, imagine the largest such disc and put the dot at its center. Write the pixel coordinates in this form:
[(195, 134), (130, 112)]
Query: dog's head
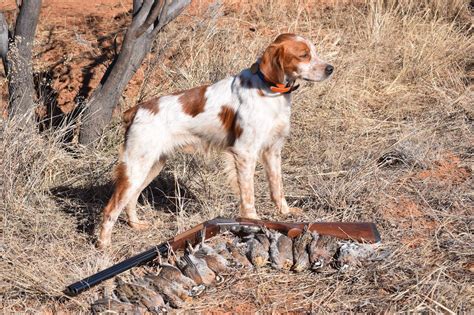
[(292, 57)]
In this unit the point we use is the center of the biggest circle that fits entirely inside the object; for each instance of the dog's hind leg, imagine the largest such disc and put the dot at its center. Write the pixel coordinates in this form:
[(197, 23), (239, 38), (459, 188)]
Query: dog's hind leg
[(131, 210), (129, 179)]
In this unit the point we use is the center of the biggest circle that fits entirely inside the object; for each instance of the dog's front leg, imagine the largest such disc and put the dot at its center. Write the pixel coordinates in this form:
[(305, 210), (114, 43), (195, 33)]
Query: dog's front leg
[(271, 159), (245, 167)]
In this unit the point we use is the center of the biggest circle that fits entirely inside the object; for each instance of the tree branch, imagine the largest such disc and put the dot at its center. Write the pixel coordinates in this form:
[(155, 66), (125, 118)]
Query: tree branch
[(140, 14), (133, 51), (4, 42), (169, 13), (151, 18), (137, 4)]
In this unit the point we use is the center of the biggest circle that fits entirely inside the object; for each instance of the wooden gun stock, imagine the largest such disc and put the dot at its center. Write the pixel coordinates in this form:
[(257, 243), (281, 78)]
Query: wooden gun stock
[(357, 231), (361, 232)]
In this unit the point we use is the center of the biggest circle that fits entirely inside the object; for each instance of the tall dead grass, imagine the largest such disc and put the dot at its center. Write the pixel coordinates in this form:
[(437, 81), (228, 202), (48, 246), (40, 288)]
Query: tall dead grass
[(388, 139)]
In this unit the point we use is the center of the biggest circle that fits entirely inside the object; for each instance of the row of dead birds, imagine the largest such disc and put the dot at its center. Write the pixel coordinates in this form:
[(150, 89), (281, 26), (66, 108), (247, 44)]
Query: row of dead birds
[(180, 279)]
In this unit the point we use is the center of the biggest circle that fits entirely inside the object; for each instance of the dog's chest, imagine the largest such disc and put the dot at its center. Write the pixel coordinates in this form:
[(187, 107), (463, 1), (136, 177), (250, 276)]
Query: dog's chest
[(270, 117)]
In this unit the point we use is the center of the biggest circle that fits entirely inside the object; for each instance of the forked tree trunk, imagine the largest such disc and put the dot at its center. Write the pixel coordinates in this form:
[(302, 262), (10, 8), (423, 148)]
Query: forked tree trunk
[(17, 61), (149, 17)]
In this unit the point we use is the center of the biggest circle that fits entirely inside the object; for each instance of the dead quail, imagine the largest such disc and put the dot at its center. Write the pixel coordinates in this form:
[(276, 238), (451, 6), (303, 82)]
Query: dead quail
[(300, 253), (317, 255), (321, 252), (281, 250), (264, 240), (353, 254), (238, 256), (109, 305), (139, 293), (214, 261), (173, 292), (196, 269), (172, 273), (223, 250), (257, 253)]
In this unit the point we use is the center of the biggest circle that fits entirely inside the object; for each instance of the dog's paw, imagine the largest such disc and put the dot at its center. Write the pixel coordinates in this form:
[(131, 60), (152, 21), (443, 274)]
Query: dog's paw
[(296, 211), (140, 225), (102, 244), (250, 216), (292, 211)]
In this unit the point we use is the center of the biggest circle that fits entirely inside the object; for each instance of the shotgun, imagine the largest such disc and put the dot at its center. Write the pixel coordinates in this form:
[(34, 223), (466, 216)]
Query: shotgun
[(361, 232)]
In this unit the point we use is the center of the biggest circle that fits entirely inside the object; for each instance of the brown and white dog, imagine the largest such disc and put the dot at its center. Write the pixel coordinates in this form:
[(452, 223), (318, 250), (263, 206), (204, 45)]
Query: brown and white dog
[(247, 115)]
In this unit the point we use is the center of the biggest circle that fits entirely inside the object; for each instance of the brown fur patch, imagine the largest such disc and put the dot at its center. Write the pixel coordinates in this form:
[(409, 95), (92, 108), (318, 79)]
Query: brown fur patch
[(271, 65), (153, 105), (121, 178), (129, 115), (227, 117), (121, 186), (284, 37), (229, 123), (193, 100), (283, 56), (238, 131), (294, 53)]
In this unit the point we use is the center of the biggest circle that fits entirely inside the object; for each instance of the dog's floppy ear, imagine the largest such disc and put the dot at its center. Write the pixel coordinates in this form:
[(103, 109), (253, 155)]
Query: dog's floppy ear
[(272, 63)]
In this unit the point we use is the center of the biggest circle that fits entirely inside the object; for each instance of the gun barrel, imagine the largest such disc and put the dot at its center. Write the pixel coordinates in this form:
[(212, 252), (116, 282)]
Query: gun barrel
[(86, 283), (191, 236)]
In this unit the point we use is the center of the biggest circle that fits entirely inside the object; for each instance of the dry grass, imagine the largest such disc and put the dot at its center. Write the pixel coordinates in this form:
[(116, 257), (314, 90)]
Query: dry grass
[(402, 89)]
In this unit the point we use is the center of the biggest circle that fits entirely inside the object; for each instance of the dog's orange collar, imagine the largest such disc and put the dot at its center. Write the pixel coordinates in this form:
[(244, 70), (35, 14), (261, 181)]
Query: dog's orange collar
[(274, 87)]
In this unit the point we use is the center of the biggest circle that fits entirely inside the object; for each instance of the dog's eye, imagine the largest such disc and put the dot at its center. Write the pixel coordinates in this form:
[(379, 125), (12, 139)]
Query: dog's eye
[(304, 55)]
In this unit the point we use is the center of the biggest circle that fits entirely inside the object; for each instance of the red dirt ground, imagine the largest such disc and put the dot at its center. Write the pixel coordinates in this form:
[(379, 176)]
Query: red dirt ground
[(412, 216), (447, 169), (74, 45), (75, 42), (409, 215)]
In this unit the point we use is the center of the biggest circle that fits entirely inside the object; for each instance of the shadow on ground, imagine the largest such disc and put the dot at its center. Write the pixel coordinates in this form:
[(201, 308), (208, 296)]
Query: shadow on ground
[(85, 203)]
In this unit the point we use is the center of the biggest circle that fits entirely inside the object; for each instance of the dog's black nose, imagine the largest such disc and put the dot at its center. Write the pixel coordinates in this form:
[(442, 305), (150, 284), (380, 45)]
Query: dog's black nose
[(329, 69)]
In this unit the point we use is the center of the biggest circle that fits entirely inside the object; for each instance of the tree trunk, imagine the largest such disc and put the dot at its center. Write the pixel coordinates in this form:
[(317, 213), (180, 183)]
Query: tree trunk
[(106, 96), (18, 60), (4, 42), (149, 17)]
